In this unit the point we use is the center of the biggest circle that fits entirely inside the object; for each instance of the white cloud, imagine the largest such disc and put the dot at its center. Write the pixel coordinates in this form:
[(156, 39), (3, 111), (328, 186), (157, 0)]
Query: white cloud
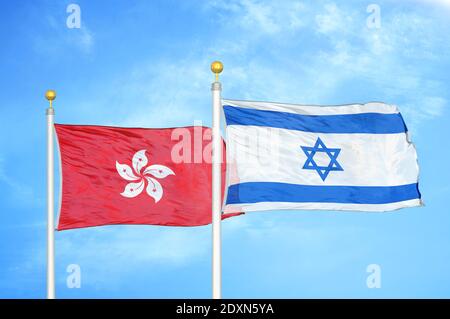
[(261, 17), (442, 3), (350, 50), (423, 108), (84, 39), (341, 51), (60, 38), (142, 248), (332, 20), (147, 245), (18, 190), (169, 93), (434, 106)]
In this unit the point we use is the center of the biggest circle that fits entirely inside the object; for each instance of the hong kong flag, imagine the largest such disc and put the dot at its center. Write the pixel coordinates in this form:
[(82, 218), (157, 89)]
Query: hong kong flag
[(114, 175)]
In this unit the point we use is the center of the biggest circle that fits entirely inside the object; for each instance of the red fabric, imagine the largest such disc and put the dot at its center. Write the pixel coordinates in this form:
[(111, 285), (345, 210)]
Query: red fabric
[(92, 186)]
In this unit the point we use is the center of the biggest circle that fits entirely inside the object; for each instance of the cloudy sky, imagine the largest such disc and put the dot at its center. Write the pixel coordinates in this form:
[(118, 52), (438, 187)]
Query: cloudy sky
[(146, 63)]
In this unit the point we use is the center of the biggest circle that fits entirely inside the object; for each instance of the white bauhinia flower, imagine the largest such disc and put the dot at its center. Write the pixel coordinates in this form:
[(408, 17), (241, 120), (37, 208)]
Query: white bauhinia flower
[(139, 179)]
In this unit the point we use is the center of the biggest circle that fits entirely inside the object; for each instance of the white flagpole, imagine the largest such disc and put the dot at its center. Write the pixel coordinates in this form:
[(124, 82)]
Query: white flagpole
[(216, 88), (50, 95)]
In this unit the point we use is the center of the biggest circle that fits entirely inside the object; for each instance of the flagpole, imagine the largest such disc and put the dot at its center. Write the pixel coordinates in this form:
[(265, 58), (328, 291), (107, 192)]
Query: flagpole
[(216, 88), (50, 95)]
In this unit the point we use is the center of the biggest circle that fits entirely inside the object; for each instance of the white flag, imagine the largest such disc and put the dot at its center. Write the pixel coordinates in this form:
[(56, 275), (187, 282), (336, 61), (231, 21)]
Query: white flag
[(349, 157)]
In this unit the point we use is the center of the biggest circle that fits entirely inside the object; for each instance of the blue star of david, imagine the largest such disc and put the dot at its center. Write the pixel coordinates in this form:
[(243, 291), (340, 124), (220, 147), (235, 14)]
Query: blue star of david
[(332, 153)]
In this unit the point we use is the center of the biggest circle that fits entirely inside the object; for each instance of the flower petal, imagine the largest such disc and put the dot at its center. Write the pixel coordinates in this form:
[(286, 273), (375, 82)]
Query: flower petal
[(154, 189), (159, 171), (133, 189), (139, 161), (126, 172)]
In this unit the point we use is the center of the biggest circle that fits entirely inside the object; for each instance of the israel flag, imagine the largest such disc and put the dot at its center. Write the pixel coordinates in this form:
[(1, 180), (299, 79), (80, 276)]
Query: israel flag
[(349, 157)]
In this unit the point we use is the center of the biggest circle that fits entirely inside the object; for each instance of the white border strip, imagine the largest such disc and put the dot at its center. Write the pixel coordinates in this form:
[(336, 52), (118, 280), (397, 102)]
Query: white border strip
[(371, 107), (262, 206)]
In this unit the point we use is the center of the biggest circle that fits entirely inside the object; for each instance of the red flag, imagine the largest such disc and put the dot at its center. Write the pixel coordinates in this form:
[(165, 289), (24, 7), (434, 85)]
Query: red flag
[(113, 175)]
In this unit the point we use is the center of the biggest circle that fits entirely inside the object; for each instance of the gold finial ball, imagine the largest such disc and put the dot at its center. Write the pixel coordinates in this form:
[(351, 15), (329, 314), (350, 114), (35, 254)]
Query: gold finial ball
[(50, 95), (216, 67)]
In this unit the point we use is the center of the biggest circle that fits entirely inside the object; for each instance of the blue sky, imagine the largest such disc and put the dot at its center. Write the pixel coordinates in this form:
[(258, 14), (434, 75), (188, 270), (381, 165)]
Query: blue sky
[(146, 63)]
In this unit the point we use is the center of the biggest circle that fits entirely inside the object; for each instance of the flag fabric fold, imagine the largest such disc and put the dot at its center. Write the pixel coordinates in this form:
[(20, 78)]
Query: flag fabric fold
[(114, 175), (349, 157)]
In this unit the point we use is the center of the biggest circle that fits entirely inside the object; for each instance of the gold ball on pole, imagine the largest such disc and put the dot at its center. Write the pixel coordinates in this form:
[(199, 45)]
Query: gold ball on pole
[(217, 68), (50, 95)]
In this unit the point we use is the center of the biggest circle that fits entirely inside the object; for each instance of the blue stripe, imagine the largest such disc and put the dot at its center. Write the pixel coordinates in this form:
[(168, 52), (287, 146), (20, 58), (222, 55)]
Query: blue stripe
[(373, 123), (255, 192)]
